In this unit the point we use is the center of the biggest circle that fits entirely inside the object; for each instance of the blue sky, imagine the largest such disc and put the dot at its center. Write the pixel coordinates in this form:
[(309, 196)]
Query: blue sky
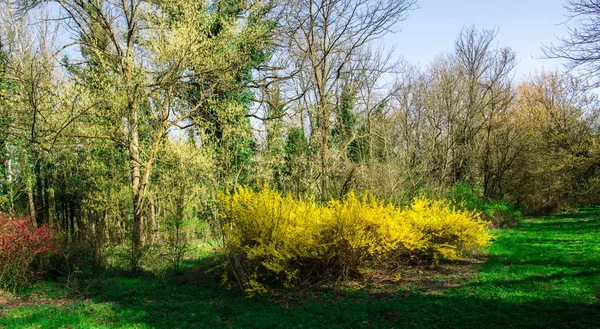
[(523, 25)]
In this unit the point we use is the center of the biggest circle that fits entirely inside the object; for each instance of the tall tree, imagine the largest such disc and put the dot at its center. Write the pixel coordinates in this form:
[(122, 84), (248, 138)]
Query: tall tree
[(144, 58), (559, 121), (324, 37), (5, 183), (486, 72)]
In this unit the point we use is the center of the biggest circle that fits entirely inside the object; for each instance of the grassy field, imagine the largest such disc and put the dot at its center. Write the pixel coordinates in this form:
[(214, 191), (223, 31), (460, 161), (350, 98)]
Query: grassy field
[(544, 273)]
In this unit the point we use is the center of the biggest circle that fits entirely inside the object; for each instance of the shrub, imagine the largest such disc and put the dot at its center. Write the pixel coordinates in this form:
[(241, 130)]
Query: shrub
[(21, 244), (269, 236), (275, 238), (446, 232), (499, 213), (360, 234)]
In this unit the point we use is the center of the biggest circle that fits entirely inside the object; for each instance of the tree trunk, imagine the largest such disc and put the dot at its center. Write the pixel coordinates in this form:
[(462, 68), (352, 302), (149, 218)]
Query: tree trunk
[(324, 131), (30, 201), (134, 161), (152, 226), (52, 220)]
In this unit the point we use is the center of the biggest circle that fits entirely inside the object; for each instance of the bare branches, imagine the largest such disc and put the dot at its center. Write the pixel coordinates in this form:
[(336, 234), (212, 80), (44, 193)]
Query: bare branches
[(581, 47), (325, 45)]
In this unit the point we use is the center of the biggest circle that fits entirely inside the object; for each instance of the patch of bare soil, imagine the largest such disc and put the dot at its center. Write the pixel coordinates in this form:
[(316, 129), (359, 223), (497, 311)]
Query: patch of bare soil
[(428, 279), (434, 279), (9, 302)]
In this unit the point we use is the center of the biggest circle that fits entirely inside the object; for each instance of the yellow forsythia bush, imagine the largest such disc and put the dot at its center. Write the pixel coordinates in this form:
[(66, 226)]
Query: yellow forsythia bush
[(275, 238), (269, 235), (446, 232), (358, 233)]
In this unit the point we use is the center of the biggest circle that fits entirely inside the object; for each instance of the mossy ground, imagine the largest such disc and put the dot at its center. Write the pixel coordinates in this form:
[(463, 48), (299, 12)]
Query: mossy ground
[(544, 273)]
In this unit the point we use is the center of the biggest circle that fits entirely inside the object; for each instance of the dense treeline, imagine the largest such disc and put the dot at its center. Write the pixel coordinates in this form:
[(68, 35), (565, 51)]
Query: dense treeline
[(121, 122)]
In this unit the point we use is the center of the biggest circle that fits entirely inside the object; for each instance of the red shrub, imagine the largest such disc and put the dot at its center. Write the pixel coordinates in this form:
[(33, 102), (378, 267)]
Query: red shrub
[(21, 244)]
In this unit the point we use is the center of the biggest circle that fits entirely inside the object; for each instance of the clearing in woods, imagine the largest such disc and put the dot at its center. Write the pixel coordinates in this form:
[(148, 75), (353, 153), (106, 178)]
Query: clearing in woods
[(545, 273)]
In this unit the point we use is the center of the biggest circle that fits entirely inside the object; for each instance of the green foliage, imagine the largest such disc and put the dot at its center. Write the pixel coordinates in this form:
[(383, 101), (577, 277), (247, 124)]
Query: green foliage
[(296, 166), (345, 117), (181, 180), (270, 237), (6, 140), (224, 124), (499, 212)]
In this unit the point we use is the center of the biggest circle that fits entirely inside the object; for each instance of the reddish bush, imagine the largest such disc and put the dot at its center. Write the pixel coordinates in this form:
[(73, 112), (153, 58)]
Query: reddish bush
[(21, 246)]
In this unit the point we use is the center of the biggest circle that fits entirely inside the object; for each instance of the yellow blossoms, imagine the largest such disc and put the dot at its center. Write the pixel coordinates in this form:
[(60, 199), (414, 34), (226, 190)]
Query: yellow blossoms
[(284, 239)]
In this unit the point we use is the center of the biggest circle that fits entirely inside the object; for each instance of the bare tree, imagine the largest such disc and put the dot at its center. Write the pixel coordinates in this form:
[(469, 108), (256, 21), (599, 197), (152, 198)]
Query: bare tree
[(486, 71), (30, 116), (581, 47), (324, 36)]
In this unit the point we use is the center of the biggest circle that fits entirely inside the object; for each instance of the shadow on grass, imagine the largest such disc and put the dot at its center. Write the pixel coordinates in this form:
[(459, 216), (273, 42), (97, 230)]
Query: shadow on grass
[(568, 226), (529, 281), (146, 303)]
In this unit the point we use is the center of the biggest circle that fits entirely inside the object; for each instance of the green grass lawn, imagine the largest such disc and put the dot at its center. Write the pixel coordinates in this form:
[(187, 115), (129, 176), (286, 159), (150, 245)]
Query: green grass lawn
[(543, 274)]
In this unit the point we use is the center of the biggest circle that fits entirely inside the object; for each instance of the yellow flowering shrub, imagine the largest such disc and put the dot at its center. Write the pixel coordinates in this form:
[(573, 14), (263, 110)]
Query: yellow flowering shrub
[(358, 232), (275, 238), (271, 234), (446, 232)]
